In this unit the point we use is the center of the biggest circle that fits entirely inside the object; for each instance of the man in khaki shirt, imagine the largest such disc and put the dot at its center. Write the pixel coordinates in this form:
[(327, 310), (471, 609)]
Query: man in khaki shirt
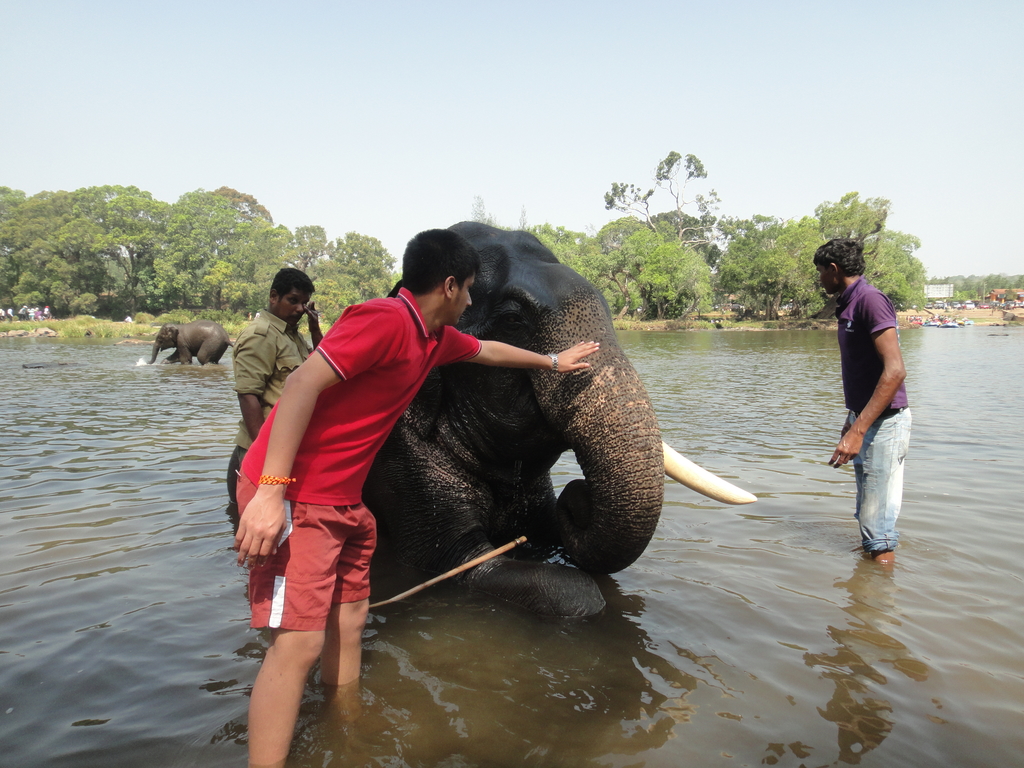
[(265, 352)]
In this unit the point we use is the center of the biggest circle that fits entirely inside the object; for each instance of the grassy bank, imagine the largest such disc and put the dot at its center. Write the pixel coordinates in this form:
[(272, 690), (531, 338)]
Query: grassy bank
[(145, 326), (81, 327), (728, 323)]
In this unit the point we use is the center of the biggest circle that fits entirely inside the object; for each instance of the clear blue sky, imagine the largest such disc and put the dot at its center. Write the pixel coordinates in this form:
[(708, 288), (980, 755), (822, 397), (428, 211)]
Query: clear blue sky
[(386, 118)]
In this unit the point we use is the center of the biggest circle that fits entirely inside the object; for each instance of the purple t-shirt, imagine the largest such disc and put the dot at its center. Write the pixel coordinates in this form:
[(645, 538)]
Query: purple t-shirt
[(862, 310)]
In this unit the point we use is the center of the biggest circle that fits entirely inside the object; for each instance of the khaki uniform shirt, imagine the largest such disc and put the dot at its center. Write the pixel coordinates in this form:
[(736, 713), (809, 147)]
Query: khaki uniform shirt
[(265, 352)]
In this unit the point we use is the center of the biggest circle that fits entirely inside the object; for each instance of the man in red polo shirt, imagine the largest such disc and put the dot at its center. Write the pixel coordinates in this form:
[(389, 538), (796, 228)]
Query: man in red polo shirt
[(304, 531)]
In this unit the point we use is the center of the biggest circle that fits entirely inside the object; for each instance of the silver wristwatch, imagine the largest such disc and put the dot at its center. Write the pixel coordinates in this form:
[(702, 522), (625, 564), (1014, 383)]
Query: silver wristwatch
[(554, 363)]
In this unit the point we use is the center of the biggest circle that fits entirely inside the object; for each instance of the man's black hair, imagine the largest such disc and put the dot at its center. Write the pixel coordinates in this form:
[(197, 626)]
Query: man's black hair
[(845, 252), (432, 256), (288, 278)]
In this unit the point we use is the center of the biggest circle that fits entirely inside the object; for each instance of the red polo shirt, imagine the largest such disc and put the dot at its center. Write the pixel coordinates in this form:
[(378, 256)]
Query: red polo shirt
[(382, 352)]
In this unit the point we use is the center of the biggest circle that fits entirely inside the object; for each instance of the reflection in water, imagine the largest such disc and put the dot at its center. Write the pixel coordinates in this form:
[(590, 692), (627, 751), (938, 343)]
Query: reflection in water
[(452, 677), (862, 647), (439, 688)]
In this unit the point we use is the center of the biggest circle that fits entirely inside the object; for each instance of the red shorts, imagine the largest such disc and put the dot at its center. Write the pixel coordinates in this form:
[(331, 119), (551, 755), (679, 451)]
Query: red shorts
[(324, 560)]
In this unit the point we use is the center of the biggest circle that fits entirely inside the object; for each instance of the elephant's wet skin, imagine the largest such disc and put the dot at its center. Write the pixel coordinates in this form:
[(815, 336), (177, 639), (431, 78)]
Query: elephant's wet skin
[(468, 466), (205, 340), (543, 588)]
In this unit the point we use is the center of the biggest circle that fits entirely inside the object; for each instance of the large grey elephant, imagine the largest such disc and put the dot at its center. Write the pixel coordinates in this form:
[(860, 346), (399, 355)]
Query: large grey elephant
[(204, 339), (467, 467)]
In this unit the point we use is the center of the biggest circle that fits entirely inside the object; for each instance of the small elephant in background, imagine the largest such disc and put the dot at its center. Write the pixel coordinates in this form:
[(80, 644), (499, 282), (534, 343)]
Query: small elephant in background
[(206, 340)]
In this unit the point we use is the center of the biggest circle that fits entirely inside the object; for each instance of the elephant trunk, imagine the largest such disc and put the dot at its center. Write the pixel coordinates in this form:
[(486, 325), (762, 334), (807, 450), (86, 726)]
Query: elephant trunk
[(156, 351), (607, 520)]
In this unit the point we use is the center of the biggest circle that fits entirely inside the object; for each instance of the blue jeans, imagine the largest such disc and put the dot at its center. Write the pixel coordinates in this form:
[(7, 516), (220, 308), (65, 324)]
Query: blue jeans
[(879, 471)]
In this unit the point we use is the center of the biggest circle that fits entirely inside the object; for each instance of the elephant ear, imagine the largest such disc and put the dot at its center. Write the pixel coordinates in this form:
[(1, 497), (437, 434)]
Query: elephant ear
[(422, 412)]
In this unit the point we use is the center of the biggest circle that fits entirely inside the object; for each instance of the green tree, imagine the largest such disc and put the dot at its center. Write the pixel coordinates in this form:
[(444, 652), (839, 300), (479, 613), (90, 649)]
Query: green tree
[(894, 269), (674, 280), (639, 269), (51, 253), (480, 214), (84, 304), (132, 226), (852, 217), (612, 267), (200, 226), (687, 229), (308, 247), (571, 248), (117, 249), (890, 264), (248, 207), (10, 266), (768, 262), (10, 199), (657, 269), (800, 239), (219, 250), (238, 279), (361, 268), (75, 264)]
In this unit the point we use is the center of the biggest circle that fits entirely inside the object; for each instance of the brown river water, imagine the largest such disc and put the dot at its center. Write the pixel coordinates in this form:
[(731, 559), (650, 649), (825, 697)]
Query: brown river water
[(744, 636)]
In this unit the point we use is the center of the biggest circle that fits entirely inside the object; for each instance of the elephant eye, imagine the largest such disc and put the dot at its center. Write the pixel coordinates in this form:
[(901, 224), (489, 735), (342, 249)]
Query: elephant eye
[(511, 320)]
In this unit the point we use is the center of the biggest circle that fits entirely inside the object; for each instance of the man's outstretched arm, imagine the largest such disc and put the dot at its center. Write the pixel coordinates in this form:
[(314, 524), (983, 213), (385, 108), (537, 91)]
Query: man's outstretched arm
[(497, 353)]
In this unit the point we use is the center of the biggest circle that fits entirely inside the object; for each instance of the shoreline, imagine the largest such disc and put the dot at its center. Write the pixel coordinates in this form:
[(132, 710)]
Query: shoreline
[(129, 333), (981, 318)]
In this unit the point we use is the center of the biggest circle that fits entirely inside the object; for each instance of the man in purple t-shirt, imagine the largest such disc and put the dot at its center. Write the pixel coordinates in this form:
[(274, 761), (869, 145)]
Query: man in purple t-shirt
[(876, 433)]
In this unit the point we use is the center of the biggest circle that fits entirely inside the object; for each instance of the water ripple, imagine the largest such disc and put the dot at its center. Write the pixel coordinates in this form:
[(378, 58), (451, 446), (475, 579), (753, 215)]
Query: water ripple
[(749, 635)]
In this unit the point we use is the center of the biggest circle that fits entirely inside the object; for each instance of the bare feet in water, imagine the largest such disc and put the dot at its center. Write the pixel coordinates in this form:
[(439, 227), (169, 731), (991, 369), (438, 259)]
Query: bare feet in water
[(344, 701), (886, 557)]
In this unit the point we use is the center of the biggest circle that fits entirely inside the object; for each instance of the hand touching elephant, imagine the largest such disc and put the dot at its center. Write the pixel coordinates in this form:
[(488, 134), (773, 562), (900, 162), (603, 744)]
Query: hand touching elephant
[(204, 339), (467, 467)]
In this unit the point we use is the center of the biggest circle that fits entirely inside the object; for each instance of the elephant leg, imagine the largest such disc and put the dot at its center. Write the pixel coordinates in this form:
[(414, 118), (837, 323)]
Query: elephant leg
[(528, 508), (172, 358), (217, 353), (211, 351), (542, 588), (453, 532), (183, 355)]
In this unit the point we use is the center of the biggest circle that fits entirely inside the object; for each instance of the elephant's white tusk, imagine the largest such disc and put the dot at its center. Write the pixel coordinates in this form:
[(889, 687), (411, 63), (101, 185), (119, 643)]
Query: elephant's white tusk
[(684, 471)]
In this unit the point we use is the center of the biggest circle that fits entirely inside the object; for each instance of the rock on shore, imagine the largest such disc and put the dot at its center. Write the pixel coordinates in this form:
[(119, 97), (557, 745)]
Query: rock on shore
[(33, 332)]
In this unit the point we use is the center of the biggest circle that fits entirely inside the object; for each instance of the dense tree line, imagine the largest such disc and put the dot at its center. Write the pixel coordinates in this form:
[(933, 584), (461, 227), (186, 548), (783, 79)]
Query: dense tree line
[(679, 262), (974, 287), (115, 250), (768, 262)]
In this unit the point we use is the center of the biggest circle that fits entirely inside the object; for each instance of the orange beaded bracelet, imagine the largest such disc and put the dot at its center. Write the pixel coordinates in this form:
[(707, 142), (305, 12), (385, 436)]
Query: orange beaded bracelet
[(271, 480)]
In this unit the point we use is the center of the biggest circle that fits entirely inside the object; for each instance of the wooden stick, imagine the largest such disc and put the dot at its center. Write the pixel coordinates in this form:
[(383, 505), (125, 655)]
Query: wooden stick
[(454, 571)]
